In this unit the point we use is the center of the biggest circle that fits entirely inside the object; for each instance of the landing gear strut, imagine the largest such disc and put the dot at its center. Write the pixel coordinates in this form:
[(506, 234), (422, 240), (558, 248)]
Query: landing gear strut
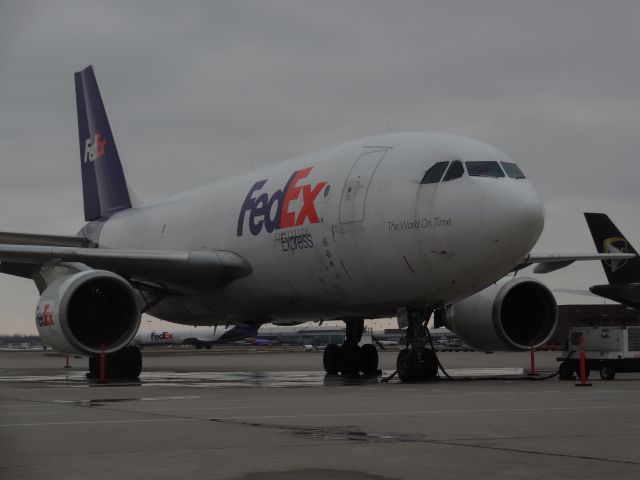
[(123, 364), (417, 362), (350, 358)]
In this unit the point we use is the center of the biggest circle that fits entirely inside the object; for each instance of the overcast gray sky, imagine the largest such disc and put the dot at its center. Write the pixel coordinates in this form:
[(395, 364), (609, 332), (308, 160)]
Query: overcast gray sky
[(197, 91)]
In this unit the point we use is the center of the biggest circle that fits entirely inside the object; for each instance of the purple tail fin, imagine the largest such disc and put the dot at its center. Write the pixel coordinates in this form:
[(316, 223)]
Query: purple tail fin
[(104, 185)]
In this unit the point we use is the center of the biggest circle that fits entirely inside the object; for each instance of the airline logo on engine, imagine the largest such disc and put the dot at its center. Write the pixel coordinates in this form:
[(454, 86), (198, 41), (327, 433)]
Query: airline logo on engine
[(44, 318), (94, 148), (278, 210)]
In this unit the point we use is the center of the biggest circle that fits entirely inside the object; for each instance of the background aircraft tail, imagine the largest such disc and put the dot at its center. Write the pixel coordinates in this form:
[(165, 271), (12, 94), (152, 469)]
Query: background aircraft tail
[(609, 239), (104, 185)]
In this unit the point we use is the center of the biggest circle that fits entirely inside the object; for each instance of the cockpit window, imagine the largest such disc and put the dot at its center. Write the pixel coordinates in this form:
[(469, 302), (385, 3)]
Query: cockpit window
[(512, 170), (434, 174), (484, 169), (456, 170)]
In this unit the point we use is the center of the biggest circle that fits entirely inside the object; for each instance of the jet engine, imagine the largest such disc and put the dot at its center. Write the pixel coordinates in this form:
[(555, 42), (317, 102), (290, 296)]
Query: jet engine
[(505, 316), (87, 311)]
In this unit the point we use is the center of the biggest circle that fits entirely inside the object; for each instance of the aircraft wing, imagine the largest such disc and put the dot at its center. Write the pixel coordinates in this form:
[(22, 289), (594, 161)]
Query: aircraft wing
[(183, 270), (550, 263)]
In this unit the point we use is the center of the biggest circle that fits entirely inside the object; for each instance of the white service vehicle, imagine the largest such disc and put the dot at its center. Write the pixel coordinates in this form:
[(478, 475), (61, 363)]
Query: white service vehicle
[(607, 349)]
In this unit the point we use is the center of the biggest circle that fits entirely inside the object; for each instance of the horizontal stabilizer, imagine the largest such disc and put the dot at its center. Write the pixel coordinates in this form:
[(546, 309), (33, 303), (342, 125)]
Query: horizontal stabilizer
[(550, 263), (574, 291)]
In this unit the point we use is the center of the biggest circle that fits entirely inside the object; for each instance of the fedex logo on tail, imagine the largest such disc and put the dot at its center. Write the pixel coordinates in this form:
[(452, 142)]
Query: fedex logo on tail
[(94, 148), (275, 211)]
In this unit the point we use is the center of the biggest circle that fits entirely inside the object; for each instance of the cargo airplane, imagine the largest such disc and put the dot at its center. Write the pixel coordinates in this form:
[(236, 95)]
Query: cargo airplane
[(199, 337), (397, 224)]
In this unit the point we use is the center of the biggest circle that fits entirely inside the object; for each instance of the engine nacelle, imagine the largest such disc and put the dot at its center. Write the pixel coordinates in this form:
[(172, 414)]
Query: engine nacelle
[(79, 313), (505, 316)]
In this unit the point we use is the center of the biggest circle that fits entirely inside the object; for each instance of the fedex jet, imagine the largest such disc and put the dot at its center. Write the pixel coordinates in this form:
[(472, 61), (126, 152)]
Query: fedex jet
[(199, 337), (400, 224)]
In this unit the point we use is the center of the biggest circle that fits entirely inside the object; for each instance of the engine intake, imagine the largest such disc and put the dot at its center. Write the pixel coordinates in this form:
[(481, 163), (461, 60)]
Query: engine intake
[(506, 316), (80, 313)]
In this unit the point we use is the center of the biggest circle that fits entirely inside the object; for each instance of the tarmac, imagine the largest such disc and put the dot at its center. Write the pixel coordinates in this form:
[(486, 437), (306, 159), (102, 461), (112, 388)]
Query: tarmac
[(273, 414)]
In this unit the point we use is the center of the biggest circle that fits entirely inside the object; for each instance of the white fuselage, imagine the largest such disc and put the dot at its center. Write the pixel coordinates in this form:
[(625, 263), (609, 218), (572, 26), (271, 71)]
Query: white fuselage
[(355, 234), (177, 336)]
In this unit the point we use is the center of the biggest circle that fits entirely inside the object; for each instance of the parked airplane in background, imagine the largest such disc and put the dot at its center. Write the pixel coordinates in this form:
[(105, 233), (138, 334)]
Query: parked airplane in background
[(401, 223), (623, 275), (199, 337)]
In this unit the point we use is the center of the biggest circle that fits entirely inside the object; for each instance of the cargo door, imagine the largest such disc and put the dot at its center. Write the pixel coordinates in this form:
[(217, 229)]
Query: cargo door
[(354, 192)]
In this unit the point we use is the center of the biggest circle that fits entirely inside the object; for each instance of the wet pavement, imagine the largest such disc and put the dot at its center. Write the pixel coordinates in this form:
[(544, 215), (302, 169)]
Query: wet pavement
[(274, 379), (265, 421)]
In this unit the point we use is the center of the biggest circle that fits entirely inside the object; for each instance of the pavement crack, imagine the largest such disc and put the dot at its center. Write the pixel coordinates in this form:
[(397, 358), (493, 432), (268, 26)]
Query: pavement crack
[(354, 434), (532, 452), (342, 433)]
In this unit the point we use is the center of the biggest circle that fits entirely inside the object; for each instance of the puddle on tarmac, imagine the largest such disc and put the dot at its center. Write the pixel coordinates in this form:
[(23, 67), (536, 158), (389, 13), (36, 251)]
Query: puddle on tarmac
[(281, 379)]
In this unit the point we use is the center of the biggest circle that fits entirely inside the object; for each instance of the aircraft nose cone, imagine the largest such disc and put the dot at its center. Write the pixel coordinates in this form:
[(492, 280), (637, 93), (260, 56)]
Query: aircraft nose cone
[(512, 216)]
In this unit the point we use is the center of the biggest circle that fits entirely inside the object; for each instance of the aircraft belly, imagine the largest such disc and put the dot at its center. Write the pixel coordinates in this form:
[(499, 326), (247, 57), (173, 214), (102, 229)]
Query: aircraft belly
[(225, 308)]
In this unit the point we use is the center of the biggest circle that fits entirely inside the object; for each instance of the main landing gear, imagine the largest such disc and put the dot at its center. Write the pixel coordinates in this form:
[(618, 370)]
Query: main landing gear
[(416, 362), (350, 358), (123, 364)]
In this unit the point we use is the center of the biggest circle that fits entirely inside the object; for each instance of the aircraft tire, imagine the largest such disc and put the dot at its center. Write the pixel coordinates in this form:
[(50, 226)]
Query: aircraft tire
[(368, 359), (408, 365), (349, 359), (331, 359), (130, 362), (126, 363), (112, 366), (587, 372), (94, 367), (428, 369), (565, 372), (607, 372)]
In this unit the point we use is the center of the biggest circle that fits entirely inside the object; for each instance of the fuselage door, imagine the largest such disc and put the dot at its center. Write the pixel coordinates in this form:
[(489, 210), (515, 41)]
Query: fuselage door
[(354, 193)]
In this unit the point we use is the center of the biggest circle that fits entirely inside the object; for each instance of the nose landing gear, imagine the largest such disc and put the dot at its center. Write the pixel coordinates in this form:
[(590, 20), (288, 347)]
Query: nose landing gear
[(350, 358), (417, 362)]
